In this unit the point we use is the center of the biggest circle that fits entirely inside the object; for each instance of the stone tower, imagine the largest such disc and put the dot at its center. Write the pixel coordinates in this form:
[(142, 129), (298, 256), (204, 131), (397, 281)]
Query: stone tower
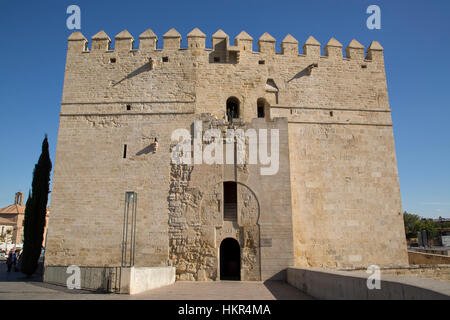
[(118, 200)]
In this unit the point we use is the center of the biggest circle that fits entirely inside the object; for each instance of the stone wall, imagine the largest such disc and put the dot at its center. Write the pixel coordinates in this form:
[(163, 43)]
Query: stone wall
[(427, 258), (91, 178), (179, 214), (346, 196), (435, 272), (335, 200), (326, 284), (439, 272), (197, 226), (127, 280)]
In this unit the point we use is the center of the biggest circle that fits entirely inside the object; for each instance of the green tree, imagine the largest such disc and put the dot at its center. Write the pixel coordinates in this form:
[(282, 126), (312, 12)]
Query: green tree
[(411, 224), (430, 226), (35, 212), (415, 223), (444, 225)]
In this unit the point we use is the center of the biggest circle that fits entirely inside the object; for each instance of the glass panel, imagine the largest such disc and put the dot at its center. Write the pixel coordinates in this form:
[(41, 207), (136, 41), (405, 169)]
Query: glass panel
[(129, 229)]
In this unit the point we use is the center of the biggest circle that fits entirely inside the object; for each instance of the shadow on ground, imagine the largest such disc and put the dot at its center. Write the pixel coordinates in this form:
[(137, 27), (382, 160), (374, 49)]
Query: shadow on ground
[(15, 283), (284, 291), (16, 275)]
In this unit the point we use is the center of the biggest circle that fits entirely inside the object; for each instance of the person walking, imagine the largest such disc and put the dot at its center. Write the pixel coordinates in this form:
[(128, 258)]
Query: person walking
[(11, 260)]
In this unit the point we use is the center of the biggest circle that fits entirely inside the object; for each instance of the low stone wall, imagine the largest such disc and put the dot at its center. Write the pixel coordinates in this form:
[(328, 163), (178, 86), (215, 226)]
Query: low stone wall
[(102, 279), (137, 280), (114, 279), (427, 258), (444, 251), (344, 285), (439, 272)]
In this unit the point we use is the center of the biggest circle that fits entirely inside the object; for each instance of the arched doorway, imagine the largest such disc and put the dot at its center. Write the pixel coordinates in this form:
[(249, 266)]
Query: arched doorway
[(230, 260), (232, 108)]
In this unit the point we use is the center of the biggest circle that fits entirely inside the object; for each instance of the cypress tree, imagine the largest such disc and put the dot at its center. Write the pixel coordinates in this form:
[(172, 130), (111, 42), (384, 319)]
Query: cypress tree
[(35, 212)]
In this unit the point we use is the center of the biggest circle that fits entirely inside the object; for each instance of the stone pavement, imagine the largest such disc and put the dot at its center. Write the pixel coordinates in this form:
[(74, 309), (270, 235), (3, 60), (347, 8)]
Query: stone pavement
[(226, 290), (14, 286)]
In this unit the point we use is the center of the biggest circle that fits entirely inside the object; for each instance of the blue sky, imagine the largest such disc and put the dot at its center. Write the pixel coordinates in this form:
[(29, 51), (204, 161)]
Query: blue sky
[(415, 35)]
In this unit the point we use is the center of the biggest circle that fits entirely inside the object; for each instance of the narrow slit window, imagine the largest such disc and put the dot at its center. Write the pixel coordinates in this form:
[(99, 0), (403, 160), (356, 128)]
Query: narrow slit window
[(262, 108), (260, 111), (230, 201), (124, 151)]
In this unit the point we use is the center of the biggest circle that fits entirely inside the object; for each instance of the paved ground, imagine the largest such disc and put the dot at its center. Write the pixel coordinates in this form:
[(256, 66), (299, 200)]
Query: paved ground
[(14, 286), (226, 290)]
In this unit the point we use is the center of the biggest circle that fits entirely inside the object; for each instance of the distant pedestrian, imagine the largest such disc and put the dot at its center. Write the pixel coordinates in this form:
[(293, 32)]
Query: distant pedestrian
[(11, 260)]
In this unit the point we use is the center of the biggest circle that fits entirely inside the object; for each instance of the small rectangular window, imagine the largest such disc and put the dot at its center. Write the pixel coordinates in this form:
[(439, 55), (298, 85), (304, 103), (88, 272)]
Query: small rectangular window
[(124, 151), (112, 60), (128, 107), (165, 59), (260, 111), (262, 62)]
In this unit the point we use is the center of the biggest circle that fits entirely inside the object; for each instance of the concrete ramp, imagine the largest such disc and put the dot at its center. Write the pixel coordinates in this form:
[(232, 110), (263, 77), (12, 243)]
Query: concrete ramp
[(343, 285)]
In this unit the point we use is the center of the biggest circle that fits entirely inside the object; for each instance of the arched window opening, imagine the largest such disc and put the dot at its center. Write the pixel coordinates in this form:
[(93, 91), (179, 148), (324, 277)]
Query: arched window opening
[(260, 106), (230, 201), (272, 88), (232, 109), (263, 108)]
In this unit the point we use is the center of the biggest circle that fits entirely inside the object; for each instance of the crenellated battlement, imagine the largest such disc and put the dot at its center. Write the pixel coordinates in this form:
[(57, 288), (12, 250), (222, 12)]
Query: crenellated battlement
[(243, 44)]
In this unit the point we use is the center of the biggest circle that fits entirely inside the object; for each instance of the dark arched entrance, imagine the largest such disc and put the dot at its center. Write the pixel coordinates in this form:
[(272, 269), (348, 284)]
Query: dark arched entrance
[(232, 109), (230, 260)]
